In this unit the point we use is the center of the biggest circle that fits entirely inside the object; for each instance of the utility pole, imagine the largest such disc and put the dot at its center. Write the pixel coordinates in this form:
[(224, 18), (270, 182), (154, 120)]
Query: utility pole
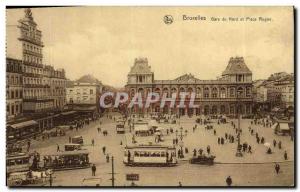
[(112, 172)]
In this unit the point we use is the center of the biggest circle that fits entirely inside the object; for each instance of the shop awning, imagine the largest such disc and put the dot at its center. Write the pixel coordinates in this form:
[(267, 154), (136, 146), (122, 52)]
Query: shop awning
[(24, 124), (68, 112)]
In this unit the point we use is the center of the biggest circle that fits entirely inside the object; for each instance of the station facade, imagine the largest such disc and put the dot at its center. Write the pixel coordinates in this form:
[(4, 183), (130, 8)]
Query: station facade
[(229, 94)]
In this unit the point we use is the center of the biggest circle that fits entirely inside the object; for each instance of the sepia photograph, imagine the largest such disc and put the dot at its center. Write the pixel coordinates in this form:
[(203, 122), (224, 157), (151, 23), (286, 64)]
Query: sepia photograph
[(150, 96)]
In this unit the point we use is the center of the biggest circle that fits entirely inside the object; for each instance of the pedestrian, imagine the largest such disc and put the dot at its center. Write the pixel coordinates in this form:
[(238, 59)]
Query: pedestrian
[(94, 170), (208, 149), (279, 144), (200, 151), (257, 140), (93, 142), (229, 181), (57, 149), (222, 140), (98, 129), (194, 152), (103, 149), (285, 155), (249, 149), (70, 139), (219, 140), (179, 184), (277, 168), (274, 142), (262, 140), (215, 132), (107, 158), (226, 136)]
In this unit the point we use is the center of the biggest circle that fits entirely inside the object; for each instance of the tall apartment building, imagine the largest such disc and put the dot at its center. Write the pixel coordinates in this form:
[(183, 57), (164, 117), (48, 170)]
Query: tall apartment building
[(43, 87)]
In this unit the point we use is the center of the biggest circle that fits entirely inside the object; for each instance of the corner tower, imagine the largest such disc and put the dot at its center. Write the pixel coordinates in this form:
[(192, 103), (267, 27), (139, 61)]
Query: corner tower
[(237, 71)]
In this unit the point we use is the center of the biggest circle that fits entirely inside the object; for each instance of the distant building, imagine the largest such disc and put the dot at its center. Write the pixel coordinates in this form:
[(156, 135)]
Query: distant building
[(232, 91), (276, 91), (85, 90), (83, 95)]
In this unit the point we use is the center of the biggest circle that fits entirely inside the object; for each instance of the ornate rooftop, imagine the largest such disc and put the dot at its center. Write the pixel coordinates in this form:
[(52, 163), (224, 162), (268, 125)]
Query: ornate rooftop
[(236, 65)]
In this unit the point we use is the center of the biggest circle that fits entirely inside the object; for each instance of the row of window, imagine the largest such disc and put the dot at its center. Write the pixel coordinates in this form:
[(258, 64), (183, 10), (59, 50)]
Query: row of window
[(43, 92), (13, 109), (32, 59), (31, 47), (13, 79), (214, 92), (78, 91), (14, 94)]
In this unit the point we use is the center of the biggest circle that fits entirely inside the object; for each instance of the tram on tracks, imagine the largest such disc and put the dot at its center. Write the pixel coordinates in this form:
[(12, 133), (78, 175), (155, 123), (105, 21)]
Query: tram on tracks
[(150, 155), (67, 160)]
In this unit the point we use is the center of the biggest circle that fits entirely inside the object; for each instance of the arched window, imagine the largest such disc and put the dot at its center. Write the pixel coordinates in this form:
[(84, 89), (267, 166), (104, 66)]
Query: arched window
[(173, 90), (232, 92), (248, 91), (214, 109), (198, 92), (222, 109), (214, 92), (182, 89), (166, 91), (223, 92), (206, 92), (240, 92), (132, 92)]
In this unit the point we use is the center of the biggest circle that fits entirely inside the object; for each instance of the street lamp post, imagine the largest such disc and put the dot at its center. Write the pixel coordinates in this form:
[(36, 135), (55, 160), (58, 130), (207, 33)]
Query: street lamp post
[(181, 142), (238, 150)]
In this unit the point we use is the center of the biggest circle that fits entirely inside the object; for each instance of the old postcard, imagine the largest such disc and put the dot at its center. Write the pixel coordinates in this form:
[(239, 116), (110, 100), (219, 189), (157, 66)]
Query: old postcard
[(150, 96)]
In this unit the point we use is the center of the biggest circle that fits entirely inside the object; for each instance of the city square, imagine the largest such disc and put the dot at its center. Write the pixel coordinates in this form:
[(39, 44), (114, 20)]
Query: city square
[(257, 168)]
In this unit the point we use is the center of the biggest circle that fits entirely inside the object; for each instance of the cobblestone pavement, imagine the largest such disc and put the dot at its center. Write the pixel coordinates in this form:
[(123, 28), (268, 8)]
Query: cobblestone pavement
[(250, 170)]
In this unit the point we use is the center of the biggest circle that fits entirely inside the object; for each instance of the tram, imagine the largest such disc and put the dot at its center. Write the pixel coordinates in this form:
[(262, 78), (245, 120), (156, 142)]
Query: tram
[(67, 160), (120, 127), (17, 162), (150, 155)]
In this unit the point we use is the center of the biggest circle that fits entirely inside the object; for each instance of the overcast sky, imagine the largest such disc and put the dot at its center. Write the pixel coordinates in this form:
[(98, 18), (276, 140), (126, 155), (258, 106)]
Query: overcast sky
[(104, 41)]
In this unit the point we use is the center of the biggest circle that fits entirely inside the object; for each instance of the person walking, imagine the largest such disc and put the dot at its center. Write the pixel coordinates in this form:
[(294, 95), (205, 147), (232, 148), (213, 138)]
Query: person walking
[(279, 144), (228, 181), (94, 170), (107, 158), (274, 142), (215, 132), (208, 149), (103, 149), (249, 149), (57, 148), (285, 155), (277, 168)]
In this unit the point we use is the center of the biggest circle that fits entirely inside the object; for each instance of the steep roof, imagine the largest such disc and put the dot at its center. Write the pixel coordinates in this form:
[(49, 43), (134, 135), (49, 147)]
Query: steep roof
[(140, 67), (236, 66)]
